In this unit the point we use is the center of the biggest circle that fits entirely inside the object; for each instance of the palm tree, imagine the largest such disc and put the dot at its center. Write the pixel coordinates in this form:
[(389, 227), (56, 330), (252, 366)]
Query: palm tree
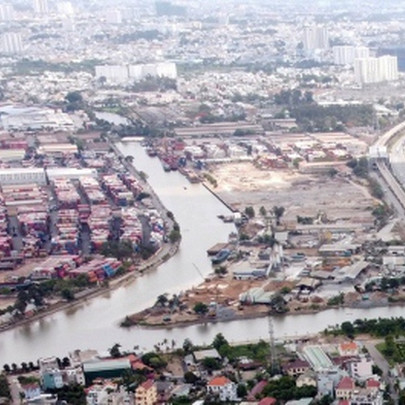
[(115, 350)]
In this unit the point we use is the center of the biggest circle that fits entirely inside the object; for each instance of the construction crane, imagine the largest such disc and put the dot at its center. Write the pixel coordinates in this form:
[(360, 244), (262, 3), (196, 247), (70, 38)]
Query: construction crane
[(203, 277), (198, 271)]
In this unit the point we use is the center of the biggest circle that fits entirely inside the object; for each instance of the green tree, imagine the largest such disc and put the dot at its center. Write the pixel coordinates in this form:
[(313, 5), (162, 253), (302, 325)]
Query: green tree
[(190, 378), (162, 300), (241, 391), (115, 350), (74, 97), (200, 308), (211, 363), (332, 172), (67, 294), (188, 345), (219, 341), (278, 212), (250, 212), (348, 329), (4, 387), (174, 235)]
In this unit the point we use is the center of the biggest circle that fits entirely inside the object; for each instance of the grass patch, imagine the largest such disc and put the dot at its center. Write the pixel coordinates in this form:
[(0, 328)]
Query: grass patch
[(255, 351), (392, 352)]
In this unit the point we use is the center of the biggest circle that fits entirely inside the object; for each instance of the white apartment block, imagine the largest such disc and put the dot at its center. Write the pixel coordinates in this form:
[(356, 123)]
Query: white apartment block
[(41, 7), (127, 73), (113, 16), (346, 54), (362, 369), (315, 37), (6, 12), (11, 43), (376, 70), (65, 8)]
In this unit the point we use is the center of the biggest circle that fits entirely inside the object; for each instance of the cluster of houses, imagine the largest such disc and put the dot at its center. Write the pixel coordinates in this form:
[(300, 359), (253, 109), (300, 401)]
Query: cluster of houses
[(343, 372)]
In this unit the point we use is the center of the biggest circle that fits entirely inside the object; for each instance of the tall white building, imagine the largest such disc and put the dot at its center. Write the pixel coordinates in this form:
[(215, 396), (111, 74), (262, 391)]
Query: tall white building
[(113, 73), (361, 52), (346, 54), (126, 73), (376, 70), (113, 16), (65, 8), (41, 7), (6, 12), (315, 37), (11, 43)]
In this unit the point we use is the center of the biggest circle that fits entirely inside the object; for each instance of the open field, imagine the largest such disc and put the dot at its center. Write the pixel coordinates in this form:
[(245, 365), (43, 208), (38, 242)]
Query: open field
[(242, 184)]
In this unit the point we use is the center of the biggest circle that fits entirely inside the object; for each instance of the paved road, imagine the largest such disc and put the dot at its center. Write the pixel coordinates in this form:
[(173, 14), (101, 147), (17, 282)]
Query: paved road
[(380, 361)]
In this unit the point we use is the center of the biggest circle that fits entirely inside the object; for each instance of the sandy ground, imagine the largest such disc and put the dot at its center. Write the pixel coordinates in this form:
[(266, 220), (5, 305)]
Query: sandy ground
[(5, 302), (242, 184)]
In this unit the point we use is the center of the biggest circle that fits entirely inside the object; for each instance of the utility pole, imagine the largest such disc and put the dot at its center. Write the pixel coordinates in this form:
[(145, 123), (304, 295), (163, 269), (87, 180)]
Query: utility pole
[(273, 351)]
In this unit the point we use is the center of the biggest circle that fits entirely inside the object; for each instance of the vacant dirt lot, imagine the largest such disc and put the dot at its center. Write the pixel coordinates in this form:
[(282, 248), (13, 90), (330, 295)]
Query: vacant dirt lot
[(242, 184)]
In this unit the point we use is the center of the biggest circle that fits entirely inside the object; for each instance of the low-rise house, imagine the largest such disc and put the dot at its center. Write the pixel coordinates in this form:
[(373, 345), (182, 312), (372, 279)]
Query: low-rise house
[(361, 369), (146, 393), (73, 375), (327, 381), (182, 390), (348, 349), (164, 391), (31, 391), (224, 388), (345, 388), (256, 390), (51, 379), (306, 379), (108, 393), (373, 386), (48, 363), (296, 367), (205, 354), (362, 398)]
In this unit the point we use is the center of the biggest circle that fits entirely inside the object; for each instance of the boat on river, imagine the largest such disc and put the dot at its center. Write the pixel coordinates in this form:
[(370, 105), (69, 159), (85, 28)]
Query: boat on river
[(221, 256)]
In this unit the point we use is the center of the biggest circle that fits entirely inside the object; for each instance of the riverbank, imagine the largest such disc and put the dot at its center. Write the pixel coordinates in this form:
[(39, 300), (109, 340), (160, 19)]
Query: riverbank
[(252, 316), (161, 256)]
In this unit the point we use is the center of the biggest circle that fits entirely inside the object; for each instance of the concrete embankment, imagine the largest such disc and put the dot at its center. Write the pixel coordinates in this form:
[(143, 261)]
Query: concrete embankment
[(218, 197)]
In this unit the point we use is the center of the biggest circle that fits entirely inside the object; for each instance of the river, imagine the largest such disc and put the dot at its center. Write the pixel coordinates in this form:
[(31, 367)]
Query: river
[(94, 324)]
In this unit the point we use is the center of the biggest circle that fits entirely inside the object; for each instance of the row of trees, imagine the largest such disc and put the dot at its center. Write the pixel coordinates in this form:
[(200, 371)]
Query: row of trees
[(30, 366), (277, 211), (4, 387), (315, 118), (380, 327)]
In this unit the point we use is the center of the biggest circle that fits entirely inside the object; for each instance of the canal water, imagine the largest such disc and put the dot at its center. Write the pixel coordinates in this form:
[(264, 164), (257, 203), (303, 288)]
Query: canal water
[(94, 324)]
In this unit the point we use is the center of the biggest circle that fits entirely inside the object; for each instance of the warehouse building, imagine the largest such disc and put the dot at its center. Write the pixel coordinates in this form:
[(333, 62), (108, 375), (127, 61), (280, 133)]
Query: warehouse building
[(22, 176)]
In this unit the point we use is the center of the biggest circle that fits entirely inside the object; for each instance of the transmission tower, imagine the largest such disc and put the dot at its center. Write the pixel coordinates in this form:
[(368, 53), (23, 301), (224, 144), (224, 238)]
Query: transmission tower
[(273, 350)]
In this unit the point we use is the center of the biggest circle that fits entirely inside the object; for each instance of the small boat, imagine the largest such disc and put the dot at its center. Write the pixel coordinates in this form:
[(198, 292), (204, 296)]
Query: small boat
[(151, 152), (221, 256)]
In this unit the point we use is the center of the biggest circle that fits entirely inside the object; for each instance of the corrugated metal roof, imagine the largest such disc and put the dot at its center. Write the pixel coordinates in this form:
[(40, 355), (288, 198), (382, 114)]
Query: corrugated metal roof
[(104, 365)]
